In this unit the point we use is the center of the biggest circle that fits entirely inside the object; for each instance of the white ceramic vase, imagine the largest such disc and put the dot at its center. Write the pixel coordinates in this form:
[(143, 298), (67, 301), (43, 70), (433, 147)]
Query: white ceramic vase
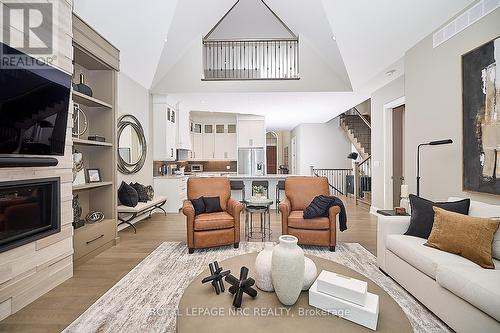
[(288, 269), (263, 277), (310, 273)]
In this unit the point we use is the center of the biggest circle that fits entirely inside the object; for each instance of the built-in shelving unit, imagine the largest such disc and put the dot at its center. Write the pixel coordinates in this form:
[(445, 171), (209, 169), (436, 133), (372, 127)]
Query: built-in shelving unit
[(98, 61), (90, 186), (80, 98), (84, 142)]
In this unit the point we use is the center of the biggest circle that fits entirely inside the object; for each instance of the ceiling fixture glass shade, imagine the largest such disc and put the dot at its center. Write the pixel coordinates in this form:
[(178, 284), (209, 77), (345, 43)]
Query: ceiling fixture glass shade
[(237, 48)]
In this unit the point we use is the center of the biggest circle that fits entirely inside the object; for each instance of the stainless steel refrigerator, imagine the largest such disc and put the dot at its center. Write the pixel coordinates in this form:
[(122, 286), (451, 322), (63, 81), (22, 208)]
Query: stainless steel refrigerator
[(251, 161)]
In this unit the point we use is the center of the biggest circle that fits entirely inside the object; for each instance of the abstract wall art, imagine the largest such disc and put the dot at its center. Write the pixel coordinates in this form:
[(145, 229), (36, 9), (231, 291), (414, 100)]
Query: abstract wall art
[(481, 118)]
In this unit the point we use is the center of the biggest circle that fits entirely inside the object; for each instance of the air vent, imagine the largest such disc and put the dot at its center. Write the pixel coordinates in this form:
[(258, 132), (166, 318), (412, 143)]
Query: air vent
[(472, 15)]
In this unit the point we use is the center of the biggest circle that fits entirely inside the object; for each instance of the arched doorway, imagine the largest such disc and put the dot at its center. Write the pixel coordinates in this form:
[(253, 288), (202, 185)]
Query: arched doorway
[(272, 153)]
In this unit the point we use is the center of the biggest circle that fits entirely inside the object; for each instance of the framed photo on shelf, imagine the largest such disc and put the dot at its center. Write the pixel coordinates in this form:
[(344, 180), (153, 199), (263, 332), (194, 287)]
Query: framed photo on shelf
[(93, 175)]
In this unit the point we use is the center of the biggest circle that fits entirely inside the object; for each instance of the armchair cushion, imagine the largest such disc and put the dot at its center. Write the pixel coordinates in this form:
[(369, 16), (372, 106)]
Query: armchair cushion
[(199, 205), (212, 204), (213, 221), (296, 220)]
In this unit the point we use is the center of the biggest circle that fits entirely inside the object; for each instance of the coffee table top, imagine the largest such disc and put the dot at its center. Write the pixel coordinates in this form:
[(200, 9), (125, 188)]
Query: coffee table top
[(201, 310)]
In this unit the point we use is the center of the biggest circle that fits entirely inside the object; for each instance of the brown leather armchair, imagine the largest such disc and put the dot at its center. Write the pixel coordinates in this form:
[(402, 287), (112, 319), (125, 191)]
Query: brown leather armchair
[(212, 229), (299, 192)]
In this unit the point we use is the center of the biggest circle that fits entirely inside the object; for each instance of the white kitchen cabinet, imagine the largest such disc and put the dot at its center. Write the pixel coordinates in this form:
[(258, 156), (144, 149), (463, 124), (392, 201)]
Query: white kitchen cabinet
[(225, 142), (174, 188), (183, 129), (251, 133), (197, 146), (208, 142), (164, 132)]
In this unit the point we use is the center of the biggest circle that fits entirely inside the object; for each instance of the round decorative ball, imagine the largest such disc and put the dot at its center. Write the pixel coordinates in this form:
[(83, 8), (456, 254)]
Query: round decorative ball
[(263, 277), (310, 273)]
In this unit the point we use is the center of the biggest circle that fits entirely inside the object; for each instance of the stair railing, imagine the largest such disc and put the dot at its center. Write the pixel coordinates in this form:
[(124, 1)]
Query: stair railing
[(362, 180), (337, 179)]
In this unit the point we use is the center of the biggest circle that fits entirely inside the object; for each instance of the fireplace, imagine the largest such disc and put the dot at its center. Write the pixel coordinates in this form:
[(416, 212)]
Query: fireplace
[(29, 210)]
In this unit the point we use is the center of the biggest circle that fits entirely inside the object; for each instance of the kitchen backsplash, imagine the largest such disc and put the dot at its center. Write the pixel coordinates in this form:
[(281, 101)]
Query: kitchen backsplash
[(208, 166)]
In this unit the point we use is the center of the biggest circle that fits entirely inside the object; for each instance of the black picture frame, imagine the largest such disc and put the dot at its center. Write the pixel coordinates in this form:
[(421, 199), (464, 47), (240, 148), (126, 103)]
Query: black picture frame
[(93, 175)]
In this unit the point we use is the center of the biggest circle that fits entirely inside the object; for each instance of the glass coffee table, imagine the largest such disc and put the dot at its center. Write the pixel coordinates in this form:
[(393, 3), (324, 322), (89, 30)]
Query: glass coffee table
[(255, 205)]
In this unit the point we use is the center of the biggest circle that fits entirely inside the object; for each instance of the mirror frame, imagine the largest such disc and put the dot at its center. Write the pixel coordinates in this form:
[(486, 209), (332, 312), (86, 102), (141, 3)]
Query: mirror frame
[(123, 166)]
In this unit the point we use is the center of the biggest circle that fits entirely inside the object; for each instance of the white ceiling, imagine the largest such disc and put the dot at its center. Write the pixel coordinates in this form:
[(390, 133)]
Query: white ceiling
[(371, 38)]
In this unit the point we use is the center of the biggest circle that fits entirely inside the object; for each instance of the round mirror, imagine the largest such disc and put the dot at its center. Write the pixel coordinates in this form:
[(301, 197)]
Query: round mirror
[(131, 145)]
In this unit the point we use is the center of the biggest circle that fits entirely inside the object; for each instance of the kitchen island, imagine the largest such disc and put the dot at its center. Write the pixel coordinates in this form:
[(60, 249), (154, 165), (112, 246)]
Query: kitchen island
[(174, 186), (248, 179)]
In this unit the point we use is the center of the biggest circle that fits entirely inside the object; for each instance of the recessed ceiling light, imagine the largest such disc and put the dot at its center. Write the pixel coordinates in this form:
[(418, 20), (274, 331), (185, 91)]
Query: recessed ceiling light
[(165, 40), (334, 38), (390, 73)]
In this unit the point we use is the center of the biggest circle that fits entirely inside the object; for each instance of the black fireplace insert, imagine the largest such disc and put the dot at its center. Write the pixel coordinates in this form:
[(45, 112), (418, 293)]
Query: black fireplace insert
[(29, 210)]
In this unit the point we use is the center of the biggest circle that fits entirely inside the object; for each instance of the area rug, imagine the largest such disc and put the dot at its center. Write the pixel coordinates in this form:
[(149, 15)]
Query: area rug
[(146, 299)]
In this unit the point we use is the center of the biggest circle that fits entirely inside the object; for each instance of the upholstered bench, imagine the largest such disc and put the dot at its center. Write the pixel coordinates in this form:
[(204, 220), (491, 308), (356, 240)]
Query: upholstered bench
[(127, 214)]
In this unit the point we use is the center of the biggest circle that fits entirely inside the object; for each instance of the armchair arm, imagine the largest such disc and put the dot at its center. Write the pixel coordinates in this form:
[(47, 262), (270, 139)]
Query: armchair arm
[(389, 225), (188, 210), (285, 208), (332, 216), (234, 209)]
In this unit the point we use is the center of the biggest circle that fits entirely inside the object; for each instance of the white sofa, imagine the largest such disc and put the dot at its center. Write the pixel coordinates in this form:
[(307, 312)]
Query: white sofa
[(464, 295)]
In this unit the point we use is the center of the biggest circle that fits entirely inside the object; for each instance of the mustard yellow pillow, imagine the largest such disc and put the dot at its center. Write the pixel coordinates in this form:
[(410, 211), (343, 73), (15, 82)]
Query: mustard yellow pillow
[(468, 236)]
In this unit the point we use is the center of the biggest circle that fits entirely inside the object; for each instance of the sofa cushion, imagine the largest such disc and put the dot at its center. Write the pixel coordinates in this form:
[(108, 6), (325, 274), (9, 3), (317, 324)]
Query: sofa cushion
[(481, 209), (479, 287), (426, 259), (468, 236), (213, 221), (422, 215), (296, 220)]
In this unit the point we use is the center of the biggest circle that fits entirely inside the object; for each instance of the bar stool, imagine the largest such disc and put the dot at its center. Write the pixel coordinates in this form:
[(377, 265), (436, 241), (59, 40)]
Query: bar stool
[(238, 185), (263, 183), (279, 187)]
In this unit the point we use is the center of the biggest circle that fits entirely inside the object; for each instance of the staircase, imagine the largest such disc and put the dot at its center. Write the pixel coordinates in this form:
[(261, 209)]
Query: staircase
[(357, 129)]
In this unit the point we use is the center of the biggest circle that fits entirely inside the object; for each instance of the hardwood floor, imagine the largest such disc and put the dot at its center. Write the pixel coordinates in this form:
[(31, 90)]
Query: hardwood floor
[(59, 307)]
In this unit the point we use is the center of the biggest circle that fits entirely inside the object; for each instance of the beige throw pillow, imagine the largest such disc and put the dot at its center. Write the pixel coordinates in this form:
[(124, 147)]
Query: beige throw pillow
[(467, 236)]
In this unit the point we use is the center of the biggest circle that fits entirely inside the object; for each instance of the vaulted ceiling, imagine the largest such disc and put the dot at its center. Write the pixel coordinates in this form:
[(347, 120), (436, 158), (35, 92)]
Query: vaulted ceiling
[(346, 48)]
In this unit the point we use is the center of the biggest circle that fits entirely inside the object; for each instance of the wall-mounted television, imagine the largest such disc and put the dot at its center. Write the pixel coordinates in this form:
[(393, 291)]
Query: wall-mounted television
[(34, 102)]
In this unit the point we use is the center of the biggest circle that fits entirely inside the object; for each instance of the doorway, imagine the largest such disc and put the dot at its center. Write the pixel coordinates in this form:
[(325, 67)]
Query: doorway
[(397, 153), (271, 153), (294, 155)]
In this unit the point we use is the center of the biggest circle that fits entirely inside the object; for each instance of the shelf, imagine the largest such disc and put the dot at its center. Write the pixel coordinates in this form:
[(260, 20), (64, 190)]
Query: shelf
[(80, 98), (84, 142), (91, 186)]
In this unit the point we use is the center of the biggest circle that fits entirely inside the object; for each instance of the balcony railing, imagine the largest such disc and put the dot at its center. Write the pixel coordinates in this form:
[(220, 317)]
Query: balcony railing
[(276, 59)]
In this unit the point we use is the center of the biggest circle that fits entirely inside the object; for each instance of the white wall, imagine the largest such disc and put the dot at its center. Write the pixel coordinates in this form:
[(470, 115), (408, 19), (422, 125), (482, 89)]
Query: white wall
[(384, 95), (323, 145), (315, 76), (134, 99), (434, 109)]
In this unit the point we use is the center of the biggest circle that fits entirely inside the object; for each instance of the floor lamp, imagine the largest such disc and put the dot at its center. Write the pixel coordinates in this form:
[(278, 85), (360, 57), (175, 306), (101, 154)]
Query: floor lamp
[(432, 143)]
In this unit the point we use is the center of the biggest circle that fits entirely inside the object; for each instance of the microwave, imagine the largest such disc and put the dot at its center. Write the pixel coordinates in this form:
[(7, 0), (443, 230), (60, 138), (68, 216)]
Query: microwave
[(196, 167)]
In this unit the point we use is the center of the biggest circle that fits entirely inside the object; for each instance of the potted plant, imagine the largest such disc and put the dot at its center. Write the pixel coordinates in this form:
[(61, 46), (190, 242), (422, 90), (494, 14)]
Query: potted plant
[(258, 191)]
